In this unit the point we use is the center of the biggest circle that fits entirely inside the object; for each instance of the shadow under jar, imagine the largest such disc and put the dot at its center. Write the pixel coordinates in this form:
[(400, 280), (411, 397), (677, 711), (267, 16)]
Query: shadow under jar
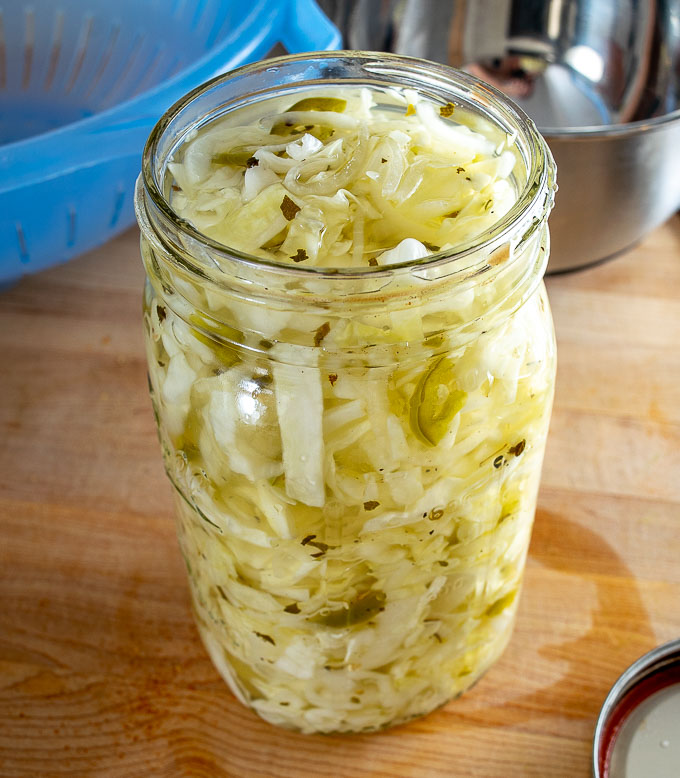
[(355, 451)]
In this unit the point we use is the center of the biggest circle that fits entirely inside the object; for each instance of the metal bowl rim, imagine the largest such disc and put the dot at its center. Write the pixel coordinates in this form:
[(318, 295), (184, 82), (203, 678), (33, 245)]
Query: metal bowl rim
[(610, 130)]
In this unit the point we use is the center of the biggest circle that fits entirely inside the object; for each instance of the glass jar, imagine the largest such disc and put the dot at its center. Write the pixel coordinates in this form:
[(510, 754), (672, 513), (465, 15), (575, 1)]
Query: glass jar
[(355, 453)]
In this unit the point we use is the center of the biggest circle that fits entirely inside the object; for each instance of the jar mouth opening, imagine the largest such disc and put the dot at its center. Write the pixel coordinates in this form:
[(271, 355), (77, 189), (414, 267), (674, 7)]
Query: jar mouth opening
[(532, 206)]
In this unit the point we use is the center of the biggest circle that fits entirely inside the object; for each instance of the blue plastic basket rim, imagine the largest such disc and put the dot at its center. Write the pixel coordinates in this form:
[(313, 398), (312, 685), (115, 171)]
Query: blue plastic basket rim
[(207, 62)]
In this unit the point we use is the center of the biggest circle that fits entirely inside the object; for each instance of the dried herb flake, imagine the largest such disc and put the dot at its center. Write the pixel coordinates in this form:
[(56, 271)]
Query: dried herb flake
[(252, 162), (498, 461), (266, 638), (301, 255), (447, 110), (292, 608), (518, 448), (321, 333), (371, 505), (332, 377), (262, 381), (309, 541), (373, 262), (289, 209)]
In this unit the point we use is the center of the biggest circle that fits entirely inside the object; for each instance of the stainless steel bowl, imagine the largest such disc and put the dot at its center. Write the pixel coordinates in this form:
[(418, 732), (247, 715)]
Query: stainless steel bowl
[(601, 79)]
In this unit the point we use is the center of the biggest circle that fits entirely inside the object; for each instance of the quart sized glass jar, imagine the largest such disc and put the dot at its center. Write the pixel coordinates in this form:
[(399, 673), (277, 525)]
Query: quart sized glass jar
[(355, 451)]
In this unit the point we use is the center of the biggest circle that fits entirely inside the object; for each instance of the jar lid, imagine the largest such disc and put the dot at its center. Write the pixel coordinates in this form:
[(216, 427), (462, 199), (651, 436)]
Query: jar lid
[(638, 729)]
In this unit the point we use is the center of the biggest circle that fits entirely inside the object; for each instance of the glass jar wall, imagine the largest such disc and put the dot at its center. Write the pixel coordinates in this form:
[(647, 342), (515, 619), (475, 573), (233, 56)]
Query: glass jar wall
[(355, 453)]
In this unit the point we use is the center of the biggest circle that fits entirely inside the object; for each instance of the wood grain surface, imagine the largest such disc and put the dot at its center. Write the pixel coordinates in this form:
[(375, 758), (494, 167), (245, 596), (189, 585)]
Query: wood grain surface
[(101, 669)]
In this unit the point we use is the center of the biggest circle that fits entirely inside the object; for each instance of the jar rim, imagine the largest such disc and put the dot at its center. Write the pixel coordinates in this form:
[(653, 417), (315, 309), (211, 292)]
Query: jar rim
[(531, 208)]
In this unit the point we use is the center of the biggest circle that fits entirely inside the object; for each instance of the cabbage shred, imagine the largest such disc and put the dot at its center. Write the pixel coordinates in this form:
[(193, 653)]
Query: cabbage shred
[(354, 490), (341, 181)]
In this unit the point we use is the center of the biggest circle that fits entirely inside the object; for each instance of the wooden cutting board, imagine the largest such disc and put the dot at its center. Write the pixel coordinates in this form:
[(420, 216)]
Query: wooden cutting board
[(101, 669)]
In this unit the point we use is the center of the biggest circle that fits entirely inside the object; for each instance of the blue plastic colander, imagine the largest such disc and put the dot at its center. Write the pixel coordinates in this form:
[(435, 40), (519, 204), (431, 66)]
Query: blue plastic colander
[(82, 82)]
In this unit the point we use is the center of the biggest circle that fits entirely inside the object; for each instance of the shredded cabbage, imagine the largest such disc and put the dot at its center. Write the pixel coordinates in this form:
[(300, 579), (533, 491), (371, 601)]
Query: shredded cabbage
[(403, 177), (354, 525)]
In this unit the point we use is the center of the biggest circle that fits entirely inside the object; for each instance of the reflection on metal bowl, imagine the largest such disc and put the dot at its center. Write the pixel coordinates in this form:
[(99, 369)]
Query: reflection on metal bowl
[(615, 186), (601, 79)]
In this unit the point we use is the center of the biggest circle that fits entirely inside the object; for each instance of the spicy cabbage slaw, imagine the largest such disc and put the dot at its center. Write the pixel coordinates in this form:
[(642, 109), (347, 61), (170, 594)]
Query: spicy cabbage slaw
[(355, 534), (341, 181)]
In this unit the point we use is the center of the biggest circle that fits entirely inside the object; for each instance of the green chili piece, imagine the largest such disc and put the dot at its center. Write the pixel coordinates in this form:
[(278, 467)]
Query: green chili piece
[(501, 603), (360, 609), (435, 402), (224, 352), (335, 104), (239, 155), (326, 104)]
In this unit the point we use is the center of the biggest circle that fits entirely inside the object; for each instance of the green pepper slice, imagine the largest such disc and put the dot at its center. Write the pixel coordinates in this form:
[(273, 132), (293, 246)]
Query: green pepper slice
[(435, 402), (322, 133), (362, 608), (335, 104), (501, 604), (225, 353), (238, 155)]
